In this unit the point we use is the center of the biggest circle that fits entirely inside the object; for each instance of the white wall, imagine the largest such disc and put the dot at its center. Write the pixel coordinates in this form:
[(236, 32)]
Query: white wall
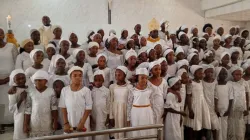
[(81, 15), (209, 4)]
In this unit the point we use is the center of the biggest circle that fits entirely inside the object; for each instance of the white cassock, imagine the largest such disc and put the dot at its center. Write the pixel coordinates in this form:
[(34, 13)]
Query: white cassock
[(23, 61), (46, 35), (8, 55), (76, 102), (100, 110)]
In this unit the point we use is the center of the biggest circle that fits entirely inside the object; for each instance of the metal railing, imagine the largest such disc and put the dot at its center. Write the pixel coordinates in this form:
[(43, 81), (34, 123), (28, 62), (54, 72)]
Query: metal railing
[(159, 128)]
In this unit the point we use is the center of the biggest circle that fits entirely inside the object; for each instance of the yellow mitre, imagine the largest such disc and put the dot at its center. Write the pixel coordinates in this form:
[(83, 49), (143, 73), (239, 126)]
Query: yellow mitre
[(153, 25)]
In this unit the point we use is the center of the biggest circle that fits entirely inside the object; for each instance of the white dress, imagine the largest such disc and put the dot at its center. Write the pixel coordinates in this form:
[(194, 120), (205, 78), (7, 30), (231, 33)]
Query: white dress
[(172, 69), (185, 49), (223, 93), (209, 93), (8, 56), (76, 102), (29, 72), (108, 76), (123, 41), (70, 61), (118, 106), (247, 118), (100, 109), (46, 63), (23, 61), (172, 122), (88, 75), (39, 106), (236, 123), (140, 115), (91, 60), (200, 108), (18, 114), (218, 52), (158, 100), (114, 60)]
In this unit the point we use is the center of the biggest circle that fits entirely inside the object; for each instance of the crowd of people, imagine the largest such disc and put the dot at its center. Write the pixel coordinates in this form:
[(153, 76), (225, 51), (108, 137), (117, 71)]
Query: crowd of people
[(194, 82)]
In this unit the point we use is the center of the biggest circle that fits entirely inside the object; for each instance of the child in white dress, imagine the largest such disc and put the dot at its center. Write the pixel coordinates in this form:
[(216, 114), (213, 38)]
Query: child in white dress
[(101, 100), (159, 86), (23, 60), (140, 101), (76, 104), (173, 112), (193, 59), (92, 52), (172, 67), (198, 110), (223, 100), (236, 123), (17, 99), (64, 47), (118, 100), (130, 62), (209, 93), (102, 65), (41, 107), (179, 53)]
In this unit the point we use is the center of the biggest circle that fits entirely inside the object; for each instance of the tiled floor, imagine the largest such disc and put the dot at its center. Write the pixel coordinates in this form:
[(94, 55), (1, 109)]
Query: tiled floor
[(8, 135)]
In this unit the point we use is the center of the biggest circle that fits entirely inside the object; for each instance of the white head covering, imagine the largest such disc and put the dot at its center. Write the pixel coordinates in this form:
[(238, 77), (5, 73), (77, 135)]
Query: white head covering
[(154, 63), (56, 26), (167, 51), (75, 68), (243, 31), (100, 55), (130, 53), (193, 50), (180, 72), (53, 61), (123, 68), (247, 48), (207, 53), (111, 37), (217, 37), (245, 64), (92, 44), (142, 50), (180, 34), (123, 30), (112, 32), (157, 44), (33, 52), (72, 33), (183, 27), (193, 27), (173, 80), (89, 32), (32, 31), (190, 56), (13, 74), (233, 50), (194, 68), (234, 68), (162, 59), (226, 36), (99, 72), (25, 42), (181, 63), (39, 75), (218, 70), (92, 37), (202, 38), (207, 66), (235, 37), (50, 45), (76, 51), (143, 71), (218, 29), (62, 41), (178, 50), (143, 65), (149, 49), (223, 54), (237, 26), (246, 55)]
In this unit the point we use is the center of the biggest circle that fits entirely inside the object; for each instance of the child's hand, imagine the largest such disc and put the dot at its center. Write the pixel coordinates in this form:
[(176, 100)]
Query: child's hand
[(112, 122), (12, 90), (128, 124), (23, 95), (246, 113), (81, 128), (26, 129), (191, 114), (66, 128)]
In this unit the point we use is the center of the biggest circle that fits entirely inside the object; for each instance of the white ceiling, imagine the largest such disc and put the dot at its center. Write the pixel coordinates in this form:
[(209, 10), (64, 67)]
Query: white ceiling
[(236, 16)]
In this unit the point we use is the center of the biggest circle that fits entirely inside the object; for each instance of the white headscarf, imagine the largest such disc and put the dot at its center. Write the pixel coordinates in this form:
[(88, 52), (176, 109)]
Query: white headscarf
[(183, 27), (180, 72), (99, 72), (143, 71), (13, 74), (235, 37), (167, 51), (217, 37), (143, 65), (51, 46), (53, 61), (193, 27), (207, 53), (149, 49), (247, 48), (194, 68), (190, 56), (100, 55), (62, 41), (226, 36), (180, 34), (92, 44), (173, 80), (207, 66), (88, 33), (246, 55), (39, 75), (130, 53), (181, 63), (234, 68), (75, 68), (162, 59), (33, 52), (26, 41), (123, 68), (76, 51), (142, 50), (56, 26), (178, 50), (193, 50), (245, 64), (154, 63), (233, 50), (111, 37), (202, 38), (224, 54), (92, 37)]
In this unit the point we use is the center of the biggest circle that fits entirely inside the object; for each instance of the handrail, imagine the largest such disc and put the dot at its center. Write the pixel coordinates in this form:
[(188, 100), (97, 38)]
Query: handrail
[(159, 128)]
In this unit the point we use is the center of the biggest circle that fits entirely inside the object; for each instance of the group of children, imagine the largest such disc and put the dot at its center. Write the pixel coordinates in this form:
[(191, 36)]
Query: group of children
[(192, 86)]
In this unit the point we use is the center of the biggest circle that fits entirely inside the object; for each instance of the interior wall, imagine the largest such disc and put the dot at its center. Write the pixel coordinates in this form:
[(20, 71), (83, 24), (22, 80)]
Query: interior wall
[(82, 15)]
